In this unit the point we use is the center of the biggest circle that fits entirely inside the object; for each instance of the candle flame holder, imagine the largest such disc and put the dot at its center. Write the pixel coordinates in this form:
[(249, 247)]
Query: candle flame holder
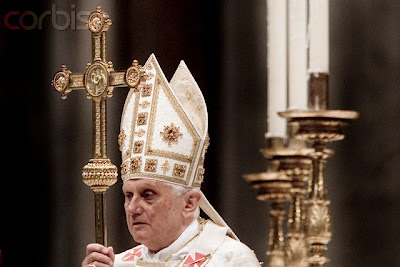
[(296, 163), (274, 187), (319, 127)]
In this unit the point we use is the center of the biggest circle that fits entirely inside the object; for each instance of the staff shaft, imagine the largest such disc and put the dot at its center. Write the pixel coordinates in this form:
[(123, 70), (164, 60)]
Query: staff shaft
[(100, 218)]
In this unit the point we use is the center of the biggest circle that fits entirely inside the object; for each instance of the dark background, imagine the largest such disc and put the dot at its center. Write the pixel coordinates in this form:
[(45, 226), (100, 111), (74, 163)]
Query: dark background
[(46, 212)]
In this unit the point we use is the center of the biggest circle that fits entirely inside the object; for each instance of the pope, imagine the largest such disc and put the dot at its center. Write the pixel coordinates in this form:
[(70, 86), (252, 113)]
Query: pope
[(163, 141)]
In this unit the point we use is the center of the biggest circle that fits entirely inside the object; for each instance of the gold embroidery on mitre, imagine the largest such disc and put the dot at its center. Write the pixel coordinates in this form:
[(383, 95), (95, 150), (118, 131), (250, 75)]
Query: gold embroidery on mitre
[(133, 124), (201, 161), (165, 167), (168, 178), (146, 90), (171, 134), (150, 165), (124, 168), (150, 76), (144, 104), (138, 146), (140, 132), (189, 96), (126, 156), (121, 139), (206, 143), (142, 118), (200, 175), (136, 164), (179, 170)]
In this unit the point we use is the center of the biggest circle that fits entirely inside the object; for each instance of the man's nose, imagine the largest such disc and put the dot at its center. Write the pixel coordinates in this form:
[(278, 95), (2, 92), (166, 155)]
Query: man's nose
[(134, 206)]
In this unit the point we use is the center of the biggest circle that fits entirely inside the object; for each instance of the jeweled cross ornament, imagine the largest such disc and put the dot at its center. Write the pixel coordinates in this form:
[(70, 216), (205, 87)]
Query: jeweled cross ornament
[(99, 80)]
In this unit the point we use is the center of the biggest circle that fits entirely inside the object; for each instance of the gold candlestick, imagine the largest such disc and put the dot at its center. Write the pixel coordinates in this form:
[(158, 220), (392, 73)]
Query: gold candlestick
[(274, 187), (319, 126), (318, 225), (296, 163)]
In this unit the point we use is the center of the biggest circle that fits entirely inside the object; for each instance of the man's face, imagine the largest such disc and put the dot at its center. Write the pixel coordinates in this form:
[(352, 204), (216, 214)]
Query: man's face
[(153, 213)]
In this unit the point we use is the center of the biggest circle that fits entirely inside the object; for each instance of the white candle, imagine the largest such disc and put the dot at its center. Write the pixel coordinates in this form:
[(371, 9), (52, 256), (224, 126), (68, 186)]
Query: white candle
[(298, 76), (277, 66), (318, 36)]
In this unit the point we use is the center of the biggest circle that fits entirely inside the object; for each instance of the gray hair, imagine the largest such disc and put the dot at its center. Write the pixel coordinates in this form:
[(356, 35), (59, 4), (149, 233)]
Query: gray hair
[(179, 190)]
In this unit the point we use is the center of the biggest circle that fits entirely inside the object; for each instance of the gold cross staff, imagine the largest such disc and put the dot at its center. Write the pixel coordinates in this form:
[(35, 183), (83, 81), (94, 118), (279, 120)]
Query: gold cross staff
[(99, 80)]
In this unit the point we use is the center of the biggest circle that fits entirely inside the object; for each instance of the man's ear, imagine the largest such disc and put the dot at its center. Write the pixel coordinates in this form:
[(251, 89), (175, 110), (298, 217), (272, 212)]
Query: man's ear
[(192, 202)]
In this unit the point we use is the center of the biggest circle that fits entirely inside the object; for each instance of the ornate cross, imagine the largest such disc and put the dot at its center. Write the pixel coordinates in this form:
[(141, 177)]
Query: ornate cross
[(99, 80)]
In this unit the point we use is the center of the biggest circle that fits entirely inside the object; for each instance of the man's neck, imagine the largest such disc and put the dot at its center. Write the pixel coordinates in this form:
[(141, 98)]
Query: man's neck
[(189, 233)]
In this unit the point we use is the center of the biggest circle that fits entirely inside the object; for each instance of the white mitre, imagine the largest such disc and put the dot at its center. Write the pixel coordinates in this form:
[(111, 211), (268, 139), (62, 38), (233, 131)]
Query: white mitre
[(164, 132)]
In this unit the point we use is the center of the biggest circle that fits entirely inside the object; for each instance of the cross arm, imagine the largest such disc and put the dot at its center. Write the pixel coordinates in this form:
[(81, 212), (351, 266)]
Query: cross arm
[(65, 81), (133, 77)]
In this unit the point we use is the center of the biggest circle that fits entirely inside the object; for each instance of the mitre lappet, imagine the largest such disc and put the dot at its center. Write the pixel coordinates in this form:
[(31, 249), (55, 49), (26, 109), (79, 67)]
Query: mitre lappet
[(164, 132)]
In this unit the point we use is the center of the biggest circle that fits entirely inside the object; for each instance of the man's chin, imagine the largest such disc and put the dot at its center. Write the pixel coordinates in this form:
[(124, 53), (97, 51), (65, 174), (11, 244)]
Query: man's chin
[(139, 233)]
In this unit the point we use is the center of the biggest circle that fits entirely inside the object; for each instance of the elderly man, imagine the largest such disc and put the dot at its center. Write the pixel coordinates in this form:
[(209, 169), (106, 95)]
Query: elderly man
[(163, 141)]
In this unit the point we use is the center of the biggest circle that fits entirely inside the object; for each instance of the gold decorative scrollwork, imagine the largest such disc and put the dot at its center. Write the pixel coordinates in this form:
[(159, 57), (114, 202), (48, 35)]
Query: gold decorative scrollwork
[(98, 21), (61, 82), (135, 76), (96, 80)]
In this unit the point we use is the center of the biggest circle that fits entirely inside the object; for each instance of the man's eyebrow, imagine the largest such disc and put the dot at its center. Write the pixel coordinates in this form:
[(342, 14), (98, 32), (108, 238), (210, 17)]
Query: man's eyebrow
[(150, 185), (124, 190)]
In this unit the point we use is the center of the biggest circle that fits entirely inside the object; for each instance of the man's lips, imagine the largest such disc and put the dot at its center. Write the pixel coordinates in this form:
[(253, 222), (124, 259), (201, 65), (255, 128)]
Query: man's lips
[(138, 223), (137, 226)]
